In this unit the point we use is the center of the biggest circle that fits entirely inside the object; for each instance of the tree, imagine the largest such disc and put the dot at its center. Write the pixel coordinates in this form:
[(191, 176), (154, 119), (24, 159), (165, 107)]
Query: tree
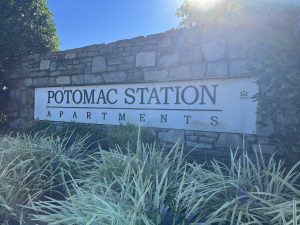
[(26, 28), (276, 58)]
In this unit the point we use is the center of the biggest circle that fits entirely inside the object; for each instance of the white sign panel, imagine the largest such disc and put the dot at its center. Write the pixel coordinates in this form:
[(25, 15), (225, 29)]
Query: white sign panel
[(220, 105)]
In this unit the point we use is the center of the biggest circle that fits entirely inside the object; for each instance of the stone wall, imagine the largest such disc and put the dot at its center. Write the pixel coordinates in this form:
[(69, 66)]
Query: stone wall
[(182, 54)]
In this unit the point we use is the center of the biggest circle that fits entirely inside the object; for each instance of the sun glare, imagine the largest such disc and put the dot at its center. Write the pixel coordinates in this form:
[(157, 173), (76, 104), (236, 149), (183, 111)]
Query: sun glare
[(206, 4)]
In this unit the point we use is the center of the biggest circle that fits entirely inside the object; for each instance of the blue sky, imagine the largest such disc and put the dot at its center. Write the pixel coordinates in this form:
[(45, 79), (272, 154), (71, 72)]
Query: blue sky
[(85, 22)]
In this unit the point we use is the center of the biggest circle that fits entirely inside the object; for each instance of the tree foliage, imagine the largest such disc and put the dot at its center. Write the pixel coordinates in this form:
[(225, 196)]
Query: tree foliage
[(275, 52), (26, 28)]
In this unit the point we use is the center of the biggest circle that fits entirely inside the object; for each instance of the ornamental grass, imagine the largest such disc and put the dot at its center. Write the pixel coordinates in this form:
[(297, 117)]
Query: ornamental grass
[(152, 186)]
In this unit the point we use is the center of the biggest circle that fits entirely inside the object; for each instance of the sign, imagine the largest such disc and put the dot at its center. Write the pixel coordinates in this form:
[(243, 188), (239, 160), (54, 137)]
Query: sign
[(220, 105)]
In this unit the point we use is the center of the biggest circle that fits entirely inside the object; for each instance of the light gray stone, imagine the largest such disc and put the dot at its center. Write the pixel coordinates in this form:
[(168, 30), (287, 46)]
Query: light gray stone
[(267, 149), (199, 70), (229, 141), (168, 60), (238, 68), (207, 139), (217, 69), (98, 64), (52, 81), (55, 73), (125, 66), (92, 79), (116, 76), (53, 66), (77, 79), (237, 50), (70, 55), (63, 80), (129, 59), (115, 61), (45, 64), (27, 82), (191, 138), (181, 72), (135, 76), (145, 59), (214, 50), (165, 42), (207, 134), (40, 81), (191, 55), (172, 136), (156, 75)]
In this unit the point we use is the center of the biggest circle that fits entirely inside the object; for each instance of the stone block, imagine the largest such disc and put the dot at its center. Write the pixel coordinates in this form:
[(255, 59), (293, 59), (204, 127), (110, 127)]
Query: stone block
[(23, 112), (27, 82), (77, 79), (214, 50), (237, 50), (62, 80), (165, 42), (199, 70), (40, 81), (250, 137), (192, 144), (98, 64), (266, 149), (207, 139), (156, 75), (168, 60), (125, 66), (115, 61), (217, 69), (118, 76), (191, 55), (172, 136), (238, 68), (92, 79), (229, 141), (52, 81), (145, 59), (135, 76), (45, 64), (70, 55), (148, 47), (55, 73), (181, 72), (191, 138), (129, 59), (23, 99), (53, 66)]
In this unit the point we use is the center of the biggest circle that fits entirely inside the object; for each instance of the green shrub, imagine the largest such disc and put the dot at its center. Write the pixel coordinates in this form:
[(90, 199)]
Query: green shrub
[(149, 186), (34, 167), (123, 136), (94, 134), (126, 136)]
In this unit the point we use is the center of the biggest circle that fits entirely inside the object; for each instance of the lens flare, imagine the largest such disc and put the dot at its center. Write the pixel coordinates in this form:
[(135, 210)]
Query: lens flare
[(206, 5)]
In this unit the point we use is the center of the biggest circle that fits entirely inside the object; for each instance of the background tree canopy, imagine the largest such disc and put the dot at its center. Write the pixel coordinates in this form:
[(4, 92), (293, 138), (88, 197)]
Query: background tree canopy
[(273, 29), (26, 28)]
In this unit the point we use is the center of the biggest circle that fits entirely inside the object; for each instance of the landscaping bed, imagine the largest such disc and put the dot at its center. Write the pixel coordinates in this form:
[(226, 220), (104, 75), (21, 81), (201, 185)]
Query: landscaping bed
[(47, 179)]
